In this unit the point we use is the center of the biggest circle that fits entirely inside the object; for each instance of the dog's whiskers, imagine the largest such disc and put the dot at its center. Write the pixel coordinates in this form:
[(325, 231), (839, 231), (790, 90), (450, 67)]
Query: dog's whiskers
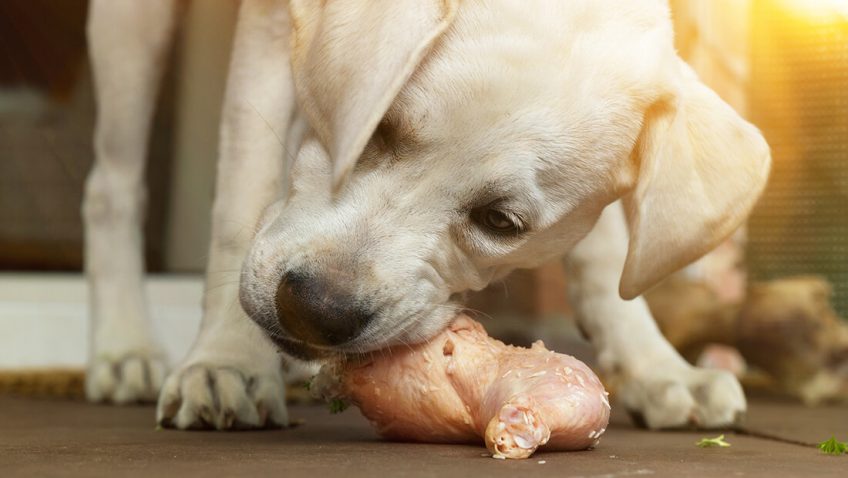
[(272, 130)]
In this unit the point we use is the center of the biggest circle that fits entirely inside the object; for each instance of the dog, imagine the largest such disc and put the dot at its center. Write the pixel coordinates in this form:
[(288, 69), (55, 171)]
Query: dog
[(380, 158)]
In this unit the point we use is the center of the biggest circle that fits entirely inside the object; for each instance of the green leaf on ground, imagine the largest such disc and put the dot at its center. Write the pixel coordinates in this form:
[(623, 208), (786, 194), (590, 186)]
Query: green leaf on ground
[(833, 447), (338, 405), (711, 442)]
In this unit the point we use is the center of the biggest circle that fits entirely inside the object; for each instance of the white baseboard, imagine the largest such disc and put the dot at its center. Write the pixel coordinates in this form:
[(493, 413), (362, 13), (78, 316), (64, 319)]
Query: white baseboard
[(44, 317)]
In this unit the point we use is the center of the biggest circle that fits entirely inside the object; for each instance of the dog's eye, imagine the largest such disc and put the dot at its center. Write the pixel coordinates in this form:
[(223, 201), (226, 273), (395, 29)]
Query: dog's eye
[(495, 220)]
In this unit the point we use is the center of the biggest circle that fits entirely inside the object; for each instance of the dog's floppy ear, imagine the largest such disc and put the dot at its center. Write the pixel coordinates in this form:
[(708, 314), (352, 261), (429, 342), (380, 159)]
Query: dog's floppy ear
[(351, 58), (701, 168)]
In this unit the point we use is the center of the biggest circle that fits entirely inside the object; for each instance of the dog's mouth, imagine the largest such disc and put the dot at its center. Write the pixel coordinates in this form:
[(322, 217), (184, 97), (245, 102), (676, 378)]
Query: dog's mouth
[(310, 352), (302, 350), (307, 351)]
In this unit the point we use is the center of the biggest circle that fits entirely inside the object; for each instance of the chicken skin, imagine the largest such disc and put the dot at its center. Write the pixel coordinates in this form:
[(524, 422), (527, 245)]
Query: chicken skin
[(463, 385)]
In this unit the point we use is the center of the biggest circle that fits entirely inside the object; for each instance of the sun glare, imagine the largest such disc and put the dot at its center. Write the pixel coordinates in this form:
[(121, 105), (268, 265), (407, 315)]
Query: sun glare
[(827, 11)]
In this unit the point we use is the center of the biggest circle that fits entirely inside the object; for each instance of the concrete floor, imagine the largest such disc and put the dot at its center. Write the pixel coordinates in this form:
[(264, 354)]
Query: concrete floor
[(66, 438)]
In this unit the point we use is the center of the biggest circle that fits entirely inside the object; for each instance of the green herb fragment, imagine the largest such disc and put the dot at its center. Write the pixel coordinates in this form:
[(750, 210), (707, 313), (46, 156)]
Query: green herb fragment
[(833, 447), (308, 383), (711, 442), (338, 405)]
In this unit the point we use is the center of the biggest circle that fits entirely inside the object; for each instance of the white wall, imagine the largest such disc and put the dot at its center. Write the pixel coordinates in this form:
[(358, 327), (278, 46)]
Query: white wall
[(44, 318)]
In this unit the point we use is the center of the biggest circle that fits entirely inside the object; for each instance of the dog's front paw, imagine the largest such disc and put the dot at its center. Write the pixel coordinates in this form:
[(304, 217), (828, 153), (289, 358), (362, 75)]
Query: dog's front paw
[(224, 397), (683, 396), (124, 378)]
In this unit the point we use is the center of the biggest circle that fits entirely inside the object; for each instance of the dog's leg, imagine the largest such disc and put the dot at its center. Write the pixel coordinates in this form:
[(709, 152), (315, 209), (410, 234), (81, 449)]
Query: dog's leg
[(652, 380), (232, 377), (128, 44)]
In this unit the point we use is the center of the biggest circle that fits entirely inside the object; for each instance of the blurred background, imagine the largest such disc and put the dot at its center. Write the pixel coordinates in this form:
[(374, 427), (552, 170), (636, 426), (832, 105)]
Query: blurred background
[(767, 304)]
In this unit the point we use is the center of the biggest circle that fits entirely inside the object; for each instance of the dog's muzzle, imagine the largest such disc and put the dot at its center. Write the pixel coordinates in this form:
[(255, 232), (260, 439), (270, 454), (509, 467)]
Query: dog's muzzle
[(319, 311)]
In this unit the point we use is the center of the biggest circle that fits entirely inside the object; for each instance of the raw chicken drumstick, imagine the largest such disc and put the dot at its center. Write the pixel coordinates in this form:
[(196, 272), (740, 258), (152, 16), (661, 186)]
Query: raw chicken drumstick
[(463, 385)]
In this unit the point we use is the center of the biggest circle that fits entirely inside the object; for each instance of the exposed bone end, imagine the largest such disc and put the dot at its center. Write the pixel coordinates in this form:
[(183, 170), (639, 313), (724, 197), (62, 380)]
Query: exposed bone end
[(515, 432)]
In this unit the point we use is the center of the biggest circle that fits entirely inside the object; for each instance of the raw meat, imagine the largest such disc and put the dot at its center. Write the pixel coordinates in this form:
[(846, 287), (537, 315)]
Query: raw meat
[(463, 385)]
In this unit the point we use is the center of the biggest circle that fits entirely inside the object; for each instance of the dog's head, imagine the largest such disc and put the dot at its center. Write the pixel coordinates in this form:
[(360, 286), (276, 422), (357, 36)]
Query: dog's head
[(449, 145)]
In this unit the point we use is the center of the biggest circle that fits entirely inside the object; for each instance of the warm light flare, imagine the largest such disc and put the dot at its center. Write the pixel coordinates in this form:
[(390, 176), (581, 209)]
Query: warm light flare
[(827, 11)]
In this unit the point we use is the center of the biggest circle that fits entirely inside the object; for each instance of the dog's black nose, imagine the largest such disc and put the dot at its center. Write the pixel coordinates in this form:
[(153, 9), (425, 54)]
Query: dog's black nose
[(318, 311)]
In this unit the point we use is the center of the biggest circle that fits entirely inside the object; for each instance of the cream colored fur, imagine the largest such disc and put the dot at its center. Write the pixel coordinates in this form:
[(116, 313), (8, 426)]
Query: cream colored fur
[(401, 119)]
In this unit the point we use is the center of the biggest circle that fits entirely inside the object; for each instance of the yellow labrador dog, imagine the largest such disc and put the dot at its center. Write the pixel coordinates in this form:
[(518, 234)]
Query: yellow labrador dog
[(393, 154)]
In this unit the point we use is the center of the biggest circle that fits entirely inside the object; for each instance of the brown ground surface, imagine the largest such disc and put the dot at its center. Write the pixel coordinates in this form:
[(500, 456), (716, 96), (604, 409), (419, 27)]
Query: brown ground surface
[(67, 438)]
